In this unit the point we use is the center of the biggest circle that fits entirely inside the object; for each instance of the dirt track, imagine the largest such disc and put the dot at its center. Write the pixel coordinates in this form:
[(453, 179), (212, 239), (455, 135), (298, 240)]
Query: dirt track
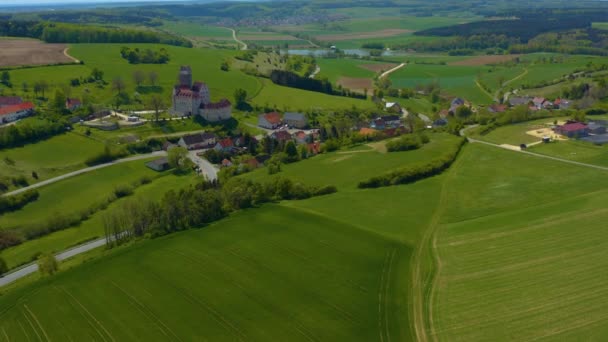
[(19, 52)]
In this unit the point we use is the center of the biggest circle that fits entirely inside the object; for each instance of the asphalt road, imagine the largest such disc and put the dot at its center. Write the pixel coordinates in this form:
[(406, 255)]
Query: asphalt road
[(85, 170), (33, 267), (471, 140), (209, 170)]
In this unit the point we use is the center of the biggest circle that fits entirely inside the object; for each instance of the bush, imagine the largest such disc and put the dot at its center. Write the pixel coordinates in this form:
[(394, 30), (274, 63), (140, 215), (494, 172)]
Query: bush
[(3, 267), (16, 202), (106, 156), (415, 172), (9, 238), (123, 191), (407, 143), (47, 264)]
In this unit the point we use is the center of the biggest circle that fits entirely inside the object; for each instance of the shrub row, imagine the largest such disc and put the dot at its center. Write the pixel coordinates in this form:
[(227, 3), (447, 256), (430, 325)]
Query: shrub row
[(416, 172), (407, 142), (16, 202)]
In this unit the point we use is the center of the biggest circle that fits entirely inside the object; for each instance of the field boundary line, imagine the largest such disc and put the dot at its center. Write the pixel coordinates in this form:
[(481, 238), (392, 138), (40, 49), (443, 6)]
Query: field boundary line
[(149, 312), (37, 322), (5, 335), (65, 53), (87, 319), (483, 90), (24, 332), (27, 318), (421, 308), (88, 312)]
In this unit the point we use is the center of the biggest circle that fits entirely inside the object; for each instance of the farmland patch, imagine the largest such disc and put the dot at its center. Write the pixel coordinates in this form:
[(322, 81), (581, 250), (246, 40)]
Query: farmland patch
[(20, 52)]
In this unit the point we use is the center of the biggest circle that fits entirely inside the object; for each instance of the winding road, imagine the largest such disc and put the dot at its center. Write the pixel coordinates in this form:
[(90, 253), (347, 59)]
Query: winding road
[(85, 170), (388, 72), (238, 41), (33, 267)]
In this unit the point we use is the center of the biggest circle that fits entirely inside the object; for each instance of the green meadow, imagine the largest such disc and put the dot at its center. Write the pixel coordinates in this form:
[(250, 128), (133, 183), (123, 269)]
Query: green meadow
[(346, 168), (457, 81), (75, 194), (49, 158), (486, 251), (334, 69), (93, 227), (579, 151)]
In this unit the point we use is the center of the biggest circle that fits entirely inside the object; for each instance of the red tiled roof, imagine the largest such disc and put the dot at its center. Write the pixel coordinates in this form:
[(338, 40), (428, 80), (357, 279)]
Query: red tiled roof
[(10, 100), (314, 147), (226, 162), (367, 131), (300, 134), (281, 135), (216, 105), (573, 127), (499, 108), (16, 108), (226, 143), (253, 163), (73, 102), (273, 117)]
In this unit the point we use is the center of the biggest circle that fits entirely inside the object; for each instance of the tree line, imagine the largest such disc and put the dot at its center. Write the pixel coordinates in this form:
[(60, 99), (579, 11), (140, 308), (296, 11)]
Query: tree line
[(198, 205), (30, 131), (293, 80), (415, 172), (145, 56), (51, 32)]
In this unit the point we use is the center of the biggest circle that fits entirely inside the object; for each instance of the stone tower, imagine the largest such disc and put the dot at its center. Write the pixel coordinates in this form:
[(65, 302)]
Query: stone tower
[(185, 76)]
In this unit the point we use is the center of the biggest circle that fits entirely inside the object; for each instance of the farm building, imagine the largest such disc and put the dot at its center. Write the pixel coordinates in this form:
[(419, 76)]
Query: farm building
[(392, 107), (72, 104), (573, 129), (197, 141), (224, 145), (297, 120), (15, 112), (596, 128), (195, 99), (497, 108), (270, 120), (10, 101), (160, 164), (519, 101), (281, 136)]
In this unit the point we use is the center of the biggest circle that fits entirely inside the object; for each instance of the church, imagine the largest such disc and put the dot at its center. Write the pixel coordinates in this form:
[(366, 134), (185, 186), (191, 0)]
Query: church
[(194, 99)]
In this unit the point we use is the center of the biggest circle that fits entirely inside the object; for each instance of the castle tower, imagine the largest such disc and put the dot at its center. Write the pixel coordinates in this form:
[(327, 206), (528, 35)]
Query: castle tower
[(185, 76)]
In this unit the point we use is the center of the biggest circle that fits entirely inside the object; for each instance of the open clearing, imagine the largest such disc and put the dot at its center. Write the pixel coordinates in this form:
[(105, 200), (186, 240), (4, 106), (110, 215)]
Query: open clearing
[(378, 67), (362, 35), (485, 60), (19, 52), (358, 84)]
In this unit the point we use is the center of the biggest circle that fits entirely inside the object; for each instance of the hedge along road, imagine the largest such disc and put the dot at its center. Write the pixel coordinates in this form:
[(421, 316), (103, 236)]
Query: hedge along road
[(85, 170), (33, 267)]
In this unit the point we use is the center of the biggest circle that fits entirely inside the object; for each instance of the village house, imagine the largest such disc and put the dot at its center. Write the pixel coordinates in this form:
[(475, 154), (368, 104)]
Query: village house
[(572, 130), (387, 121), (72, 104), (313, 148), (197, 141), (195, 99), (519, 101), (281, 136), (367, 131), (457, 102), (159, 165), (252, 163), (561, 103), (596, 128), (15, 112), (226, 163), (441, 122), (497, 108), (224, 145), (10, 101), (301, 137), (393, 107), (296, 120), (270, 120)]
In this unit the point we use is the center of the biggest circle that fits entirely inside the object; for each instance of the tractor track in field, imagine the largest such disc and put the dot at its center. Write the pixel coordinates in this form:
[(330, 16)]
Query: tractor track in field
[(422, 295)]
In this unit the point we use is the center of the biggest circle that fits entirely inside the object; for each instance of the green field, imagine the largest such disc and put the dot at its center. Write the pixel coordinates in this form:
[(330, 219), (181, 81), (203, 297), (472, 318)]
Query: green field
[(580, 151), (91, 228), (457, 81), (192, 29), (334, 69), (49, 158), (520, 250), (345, 169), (71, 196)]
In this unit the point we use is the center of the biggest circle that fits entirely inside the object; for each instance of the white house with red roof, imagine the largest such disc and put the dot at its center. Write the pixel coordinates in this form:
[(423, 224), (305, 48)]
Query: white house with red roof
[(270, 120), (195, 99), (15, 112)]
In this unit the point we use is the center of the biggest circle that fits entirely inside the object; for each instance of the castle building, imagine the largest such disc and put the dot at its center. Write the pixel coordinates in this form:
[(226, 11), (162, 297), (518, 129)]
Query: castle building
[(195, 99)]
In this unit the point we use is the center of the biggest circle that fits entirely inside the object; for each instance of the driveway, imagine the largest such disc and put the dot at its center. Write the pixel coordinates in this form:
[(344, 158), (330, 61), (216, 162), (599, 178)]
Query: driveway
[(209, 170)]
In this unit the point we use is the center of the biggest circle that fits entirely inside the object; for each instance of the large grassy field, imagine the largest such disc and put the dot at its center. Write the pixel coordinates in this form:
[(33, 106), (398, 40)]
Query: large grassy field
[(346, 168), (520, 250), (516, 239), (457, 81), (75, 194), (93, 227), (334, 68), (58, 155)]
